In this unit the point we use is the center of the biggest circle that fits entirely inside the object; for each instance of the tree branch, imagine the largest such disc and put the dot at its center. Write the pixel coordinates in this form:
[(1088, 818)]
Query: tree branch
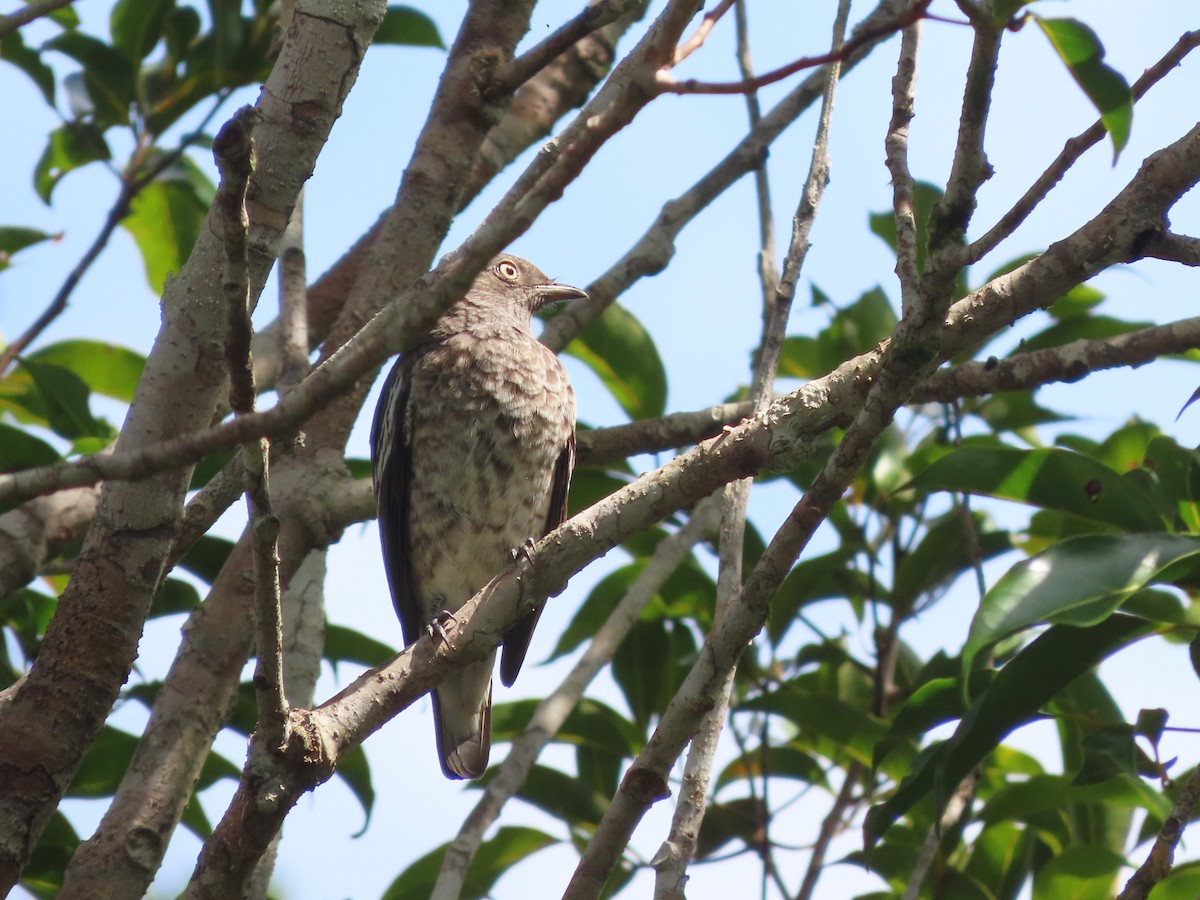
[(552, 711), (27, 14)]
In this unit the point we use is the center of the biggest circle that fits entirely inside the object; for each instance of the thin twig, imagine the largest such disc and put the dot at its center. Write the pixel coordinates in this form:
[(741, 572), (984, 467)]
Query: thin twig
[(234, 153), (667, 83), (700, 35), (133, 181), (896, 145), (1071, 151), (1162, 855), (536, 58), (831, 825), (293, 301)]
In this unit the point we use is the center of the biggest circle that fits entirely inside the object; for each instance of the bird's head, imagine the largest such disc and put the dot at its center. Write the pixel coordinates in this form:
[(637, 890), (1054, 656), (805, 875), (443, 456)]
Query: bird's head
[(511, 280)]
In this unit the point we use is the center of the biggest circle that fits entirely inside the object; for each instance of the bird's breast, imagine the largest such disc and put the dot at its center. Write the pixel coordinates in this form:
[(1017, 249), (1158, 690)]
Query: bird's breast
[(487, 421)]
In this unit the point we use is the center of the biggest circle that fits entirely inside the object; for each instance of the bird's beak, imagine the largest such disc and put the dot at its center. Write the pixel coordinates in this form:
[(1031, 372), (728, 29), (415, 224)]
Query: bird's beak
[(556, 293)]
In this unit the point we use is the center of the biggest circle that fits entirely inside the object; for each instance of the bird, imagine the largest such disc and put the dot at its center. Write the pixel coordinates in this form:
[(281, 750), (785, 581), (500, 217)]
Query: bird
[(472, 450)]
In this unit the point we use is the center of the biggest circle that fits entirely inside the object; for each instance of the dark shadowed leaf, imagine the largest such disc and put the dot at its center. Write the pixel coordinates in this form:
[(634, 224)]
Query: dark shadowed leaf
[(14, 239), (175, 596), (43, 875), (136, 26), (13, 50), (1080, 872), (510, 845), (621, 352), (558, 794), (355, 770), (21, 450), (1019, 691), (344, 644), (71, 146), (109, 76), (63, 398), (405, 25), (107, 369), (206, 557)]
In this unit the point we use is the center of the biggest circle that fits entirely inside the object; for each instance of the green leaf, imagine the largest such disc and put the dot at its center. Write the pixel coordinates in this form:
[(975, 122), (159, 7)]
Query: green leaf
[(742, 819), (777, 761), (344, 644), (925, 196), (137, 25), (43, 875), (1080, 49), (621, 352), (595, 609), (832, 575), (174, 596), (934, 703), (650, 665), (104, 764), (509, 846), (355, 770), (206, 557), (1079, 873), (165, 218), (818, 715), (70, 147), (1012, 411), (107, 369), (1182, 884), (558, 794), (851, 331), (591, 724), (63, 396), (405, 25), (14, 50), (14, 239), (1079, 581), (1049, 478), (1076, 328), (1029, 681), (944, 553), (21, 450), (109, 77)]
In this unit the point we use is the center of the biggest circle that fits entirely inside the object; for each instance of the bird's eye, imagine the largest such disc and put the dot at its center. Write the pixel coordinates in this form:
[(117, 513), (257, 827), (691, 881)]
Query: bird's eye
[(507, 270)]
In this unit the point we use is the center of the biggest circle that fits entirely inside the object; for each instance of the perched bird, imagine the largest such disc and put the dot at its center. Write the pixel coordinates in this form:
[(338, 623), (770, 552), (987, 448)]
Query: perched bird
[(472, 449)]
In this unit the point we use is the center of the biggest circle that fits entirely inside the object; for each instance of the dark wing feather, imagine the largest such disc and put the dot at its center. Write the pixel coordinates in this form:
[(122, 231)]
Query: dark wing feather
[(516, 639), (391, 467)]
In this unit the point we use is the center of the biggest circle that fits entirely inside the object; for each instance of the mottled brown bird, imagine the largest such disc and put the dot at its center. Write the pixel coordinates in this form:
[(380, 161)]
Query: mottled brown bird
[(472, 449)]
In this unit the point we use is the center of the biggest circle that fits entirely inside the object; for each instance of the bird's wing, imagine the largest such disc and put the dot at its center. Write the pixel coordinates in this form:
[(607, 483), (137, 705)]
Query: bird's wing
[(516, 639), (391, 468)]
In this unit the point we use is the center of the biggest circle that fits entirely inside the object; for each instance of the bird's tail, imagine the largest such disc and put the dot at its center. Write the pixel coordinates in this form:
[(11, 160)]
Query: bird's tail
[(462, 716)]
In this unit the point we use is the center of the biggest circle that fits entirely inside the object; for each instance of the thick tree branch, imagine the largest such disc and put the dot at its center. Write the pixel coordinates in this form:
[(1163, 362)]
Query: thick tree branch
[(91, 643)]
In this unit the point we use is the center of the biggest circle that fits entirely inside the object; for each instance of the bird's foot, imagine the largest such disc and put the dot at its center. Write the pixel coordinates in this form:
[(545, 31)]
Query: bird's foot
[(525, 551), (439, 623)]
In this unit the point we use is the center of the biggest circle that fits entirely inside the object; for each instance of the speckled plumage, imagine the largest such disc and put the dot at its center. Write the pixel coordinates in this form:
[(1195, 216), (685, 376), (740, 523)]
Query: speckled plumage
[(472, 447)]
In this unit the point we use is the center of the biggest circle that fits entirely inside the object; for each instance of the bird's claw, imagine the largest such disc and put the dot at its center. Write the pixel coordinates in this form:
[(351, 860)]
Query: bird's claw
[(438, 624), (525, 551)]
